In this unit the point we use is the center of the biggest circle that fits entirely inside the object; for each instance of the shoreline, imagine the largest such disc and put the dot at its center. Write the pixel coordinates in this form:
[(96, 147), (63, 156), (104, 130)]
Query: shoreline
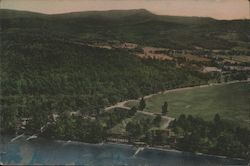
[(65, 142), (153, 148), (196, 153)]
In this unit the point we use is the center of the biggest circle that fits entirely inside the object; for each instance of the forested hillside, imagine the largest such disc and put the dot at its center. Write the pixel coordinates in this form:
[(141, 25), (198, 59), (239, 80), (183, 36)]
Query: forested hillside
[(44, 69), (80, 77)]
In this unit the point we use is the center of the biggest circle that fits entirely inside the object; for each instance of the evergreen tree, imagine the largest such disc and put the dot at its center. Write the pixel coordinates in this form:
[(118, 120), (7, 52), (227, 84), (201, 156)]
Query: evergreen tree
[(217, 119), (157, 120), (142, 104), (165, 108)]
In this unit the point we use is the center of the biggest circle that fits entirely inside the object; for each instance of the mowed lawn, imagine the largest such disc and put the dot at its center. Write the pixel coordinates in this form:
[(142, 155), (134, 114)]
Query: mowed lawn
[(231, 101)]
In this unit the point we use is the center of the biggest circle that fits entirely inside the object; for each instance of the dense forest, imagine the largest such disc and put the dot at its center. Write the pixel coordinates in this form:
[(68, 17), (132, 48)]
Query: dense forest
[(216, 137), (51, 73)]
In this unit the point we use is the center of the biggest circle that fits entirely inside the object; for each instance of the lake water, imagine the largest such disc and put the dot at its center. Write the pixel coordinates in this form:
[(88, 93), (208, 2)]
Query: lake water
[(40, 151)]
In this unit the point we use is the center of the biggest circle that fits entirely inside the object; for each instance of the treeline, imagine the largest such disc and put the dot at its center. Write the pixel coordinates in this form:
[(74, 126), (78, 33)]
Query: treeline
[(217, 137), (76, 128), (80, 128)]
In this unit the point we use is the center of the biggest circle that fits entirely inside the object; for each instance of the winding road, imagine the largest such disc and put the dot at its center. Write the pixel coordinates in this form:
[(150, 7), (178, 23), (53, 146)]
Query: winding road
[(168, 119)]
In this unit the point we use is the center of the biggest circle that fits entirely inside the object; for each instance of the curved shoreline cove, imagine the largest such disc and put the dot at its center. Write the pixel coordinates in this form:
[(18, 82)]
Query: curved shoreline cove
[(42, 151)]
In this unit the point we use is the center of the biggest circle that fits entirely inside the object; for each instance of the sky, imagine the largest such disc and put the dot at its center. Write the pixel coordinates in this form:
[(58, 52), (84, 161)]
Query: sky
[(219, 9)]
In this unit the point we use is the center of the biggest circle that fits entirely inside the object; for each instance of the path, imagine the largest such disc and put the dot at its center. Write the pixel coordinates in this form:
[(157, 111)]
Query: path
[(118, 105), (163, 117), (17, 137), (122, 104), (168, 119)]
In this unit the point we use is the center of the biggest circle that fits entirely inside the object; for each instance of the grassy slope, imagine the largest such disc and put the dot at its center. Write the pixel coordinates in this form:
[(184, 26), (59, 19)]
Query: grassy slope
[(232, 102)]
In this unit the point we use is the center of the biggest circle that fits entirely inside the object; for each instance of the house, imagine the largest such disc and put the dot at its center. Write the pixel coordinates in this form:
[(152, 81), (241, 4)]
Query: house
[(24, 121)]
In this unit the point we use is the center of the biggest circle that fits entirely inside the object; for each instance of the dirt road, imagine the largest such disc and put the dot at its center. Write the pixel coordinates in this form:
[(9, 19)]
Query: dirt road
[(122, 104), (166, 118)]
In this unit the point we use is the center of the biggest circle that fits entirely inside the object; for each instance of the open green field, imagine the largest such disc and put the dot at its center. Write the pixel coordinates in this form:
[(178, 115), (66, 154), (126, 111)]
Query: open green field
[(121, 127), (231, 101)]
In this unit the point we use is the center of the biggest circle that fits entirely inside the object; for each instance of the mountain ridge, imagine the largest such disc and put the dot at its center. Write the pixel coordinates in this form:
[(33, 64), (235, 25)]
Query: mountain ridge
[(135, 26), (129, 12)]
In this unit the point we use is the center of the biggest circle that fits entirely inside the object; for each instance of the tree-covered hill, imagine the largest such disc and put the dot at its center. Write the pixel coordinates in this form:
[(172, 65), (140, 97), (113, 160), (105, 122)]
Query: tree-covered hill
[(138, 26), (49, 65)]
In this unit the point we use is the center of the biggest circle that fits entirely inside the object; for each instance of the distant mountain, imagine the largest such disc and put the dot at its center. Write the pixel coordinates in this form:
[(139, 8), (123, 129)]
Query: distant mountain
[(6, 13), (111, 14), (138, 26)]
